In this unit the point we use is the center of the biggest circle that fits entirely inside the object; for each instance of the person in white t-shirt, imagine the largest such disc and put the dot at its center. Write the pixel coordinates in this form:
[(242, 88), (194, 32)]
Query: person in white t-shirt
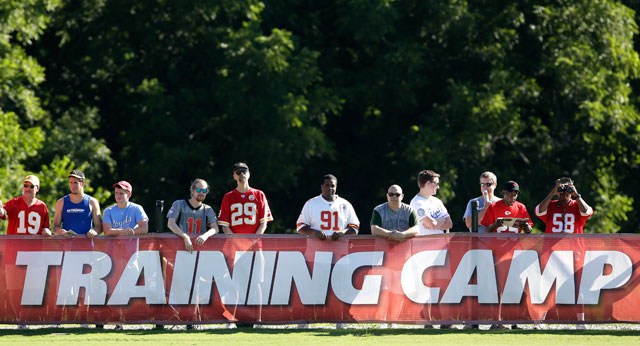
[(433, 217)]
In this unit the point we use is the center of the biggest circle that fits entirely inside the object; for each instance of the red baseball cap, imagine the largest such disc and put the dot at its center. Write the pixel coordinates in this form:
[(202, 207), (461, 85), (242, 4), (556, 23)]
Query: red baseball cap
[(124, 185)]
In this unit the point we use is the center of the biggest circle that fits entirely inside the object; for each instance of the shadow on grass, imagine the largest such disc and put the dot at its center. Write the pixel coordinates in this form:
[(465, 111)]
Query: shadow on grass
[(315, 332)]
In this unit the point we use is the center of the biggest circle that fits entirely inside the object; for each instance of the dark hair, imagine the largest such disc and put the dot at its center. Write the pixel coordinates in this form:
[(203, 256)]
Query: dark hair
[(426, 176), (329, 176)]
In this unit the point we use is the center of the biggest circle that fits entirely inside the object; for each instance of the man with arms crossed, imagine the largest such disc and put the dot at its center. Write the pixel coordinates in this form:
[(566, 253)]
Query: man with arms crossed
[(433, 217), (244, 209), (77, 212), (394, 220)]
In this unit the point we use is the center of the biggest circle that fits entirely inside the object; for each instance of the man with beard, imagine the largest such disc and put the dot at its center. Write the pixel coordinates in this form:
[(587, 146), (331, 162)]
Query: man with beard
[(191, 217), (244, 210), (77, 212), (568, 213)]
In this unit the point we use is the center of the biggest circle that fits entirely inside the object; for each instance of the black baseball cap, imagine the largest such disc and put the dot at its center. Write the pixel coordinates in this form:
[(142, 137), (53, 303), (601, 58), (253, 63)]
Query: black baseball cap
[(76, 174), (240, 166), (511, 186)]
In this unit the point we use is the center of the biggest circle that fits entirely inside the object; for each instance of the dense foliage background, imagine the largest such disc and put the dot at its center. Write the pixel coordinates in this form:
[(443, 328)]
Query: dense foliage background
[(160, 92)]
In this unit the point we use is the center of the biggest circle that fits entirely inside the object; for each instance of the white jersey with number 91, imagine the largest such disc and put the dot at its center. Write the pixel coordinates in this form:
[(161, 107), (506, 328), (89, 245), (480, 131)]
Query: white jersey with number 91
[(328, 217)]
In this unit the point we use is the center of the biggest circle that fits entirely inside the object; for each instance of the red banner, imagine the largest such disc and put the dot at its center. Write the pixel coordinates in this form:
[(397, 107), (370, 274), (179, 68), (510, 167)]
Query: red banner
[(290, 279)]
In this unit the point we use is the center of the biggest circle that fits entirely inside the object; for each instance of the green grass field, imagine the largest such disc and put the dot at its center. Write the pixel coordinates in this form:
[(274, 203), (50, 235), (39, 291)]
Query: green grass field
[(325, 336)]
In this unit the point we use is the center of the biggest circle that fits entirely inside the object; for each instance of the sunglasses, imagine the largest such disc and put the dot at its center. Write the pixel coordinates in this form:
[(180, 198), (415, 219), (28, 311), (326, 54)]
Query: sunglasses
[(241, 171), (201, 189), (486, 184), (391, 194), (29, 186)]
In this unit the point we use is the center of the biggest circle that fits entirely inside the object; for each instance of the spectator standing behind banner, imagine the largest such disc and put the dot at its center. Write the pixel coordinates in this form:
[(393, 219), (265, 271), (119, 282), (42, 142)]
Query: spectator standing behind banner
[(508, 210), (244, 209), (77, 212), (124, 217), (488, 183), (189, 217), (328, 215), (433, 217), (27, 214), (568, 213), (394, 220)]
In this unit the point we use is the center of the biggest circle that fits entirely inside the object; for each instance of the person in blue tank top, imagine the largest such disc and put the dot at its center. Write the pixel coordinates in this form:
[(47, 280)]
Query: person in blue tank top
[(77, 212)]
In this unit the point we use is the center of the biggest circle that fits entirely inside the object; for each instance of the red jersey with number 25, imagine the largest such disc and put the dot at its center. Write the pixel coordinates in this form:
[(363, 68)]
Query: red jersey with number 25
[(328, 217), (24, 219), (567, 219), (244, 211)]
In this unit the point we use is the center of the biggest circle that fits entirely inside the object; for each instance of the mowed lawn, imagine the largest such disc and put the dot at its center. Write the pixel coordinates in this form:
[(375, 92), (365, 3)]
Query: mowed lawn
[(295, 337)]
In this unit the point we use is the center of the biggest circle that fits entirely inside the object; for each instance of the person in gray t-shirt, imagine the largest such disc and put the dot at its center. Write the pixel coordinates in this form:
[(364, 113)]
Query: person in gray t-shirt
[(394, 220)]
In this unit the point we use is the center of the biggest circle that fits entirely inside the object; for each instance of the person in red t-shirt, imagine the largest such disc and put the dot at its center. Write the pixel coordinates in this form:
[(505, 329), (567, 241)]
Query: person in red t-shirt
[(568, 213), (27, 214), (508, 210), (244, 209)]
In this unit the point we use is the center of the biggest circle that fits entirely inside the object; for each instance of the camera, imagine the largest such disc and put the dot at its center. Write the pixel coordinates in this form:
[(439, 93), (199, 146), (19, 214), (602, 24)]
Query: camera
[(565, 188)]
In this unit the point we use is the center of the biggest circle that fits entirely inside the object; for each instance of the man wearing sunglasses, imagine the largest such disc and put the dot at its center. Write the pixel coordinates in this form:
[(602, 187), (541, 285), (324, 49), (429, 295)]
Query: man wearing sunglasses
[(244, 210), (191, 217), (394, 220), (488, 183), (27, 214), (77, 212)]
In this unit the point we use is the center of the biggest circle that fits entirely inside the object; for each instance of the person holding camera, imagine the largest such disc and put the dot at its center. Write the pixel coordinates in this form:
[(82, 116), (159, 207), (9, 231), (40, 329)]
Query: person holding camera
[(566, 214)]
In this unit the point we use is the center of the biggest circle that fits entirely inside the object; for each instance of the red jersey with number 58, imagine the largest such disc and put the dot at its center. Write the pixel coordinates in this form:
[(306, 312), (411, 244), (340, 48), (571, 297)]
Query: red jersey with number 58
[(564, 219), (328, 217), (24, 219), (244, 211)]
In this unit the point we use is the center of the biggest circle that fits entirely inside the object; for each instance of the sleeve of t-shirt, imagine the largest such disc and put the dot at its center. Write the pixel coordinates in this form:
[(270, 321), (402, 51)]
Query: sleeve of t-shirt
[(140, 214), (174, 211), (353, 220), (304, 217), (211, 216), (467, 212), (223, 219), (106, 218), (489, 217), (376, 219), (265, 212)]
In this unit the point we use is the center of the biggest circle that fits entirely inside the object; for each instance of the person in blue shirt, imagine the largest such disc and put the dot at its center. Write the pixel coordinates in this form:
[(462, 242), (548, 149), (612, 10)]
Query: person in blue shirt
[(124, 217)]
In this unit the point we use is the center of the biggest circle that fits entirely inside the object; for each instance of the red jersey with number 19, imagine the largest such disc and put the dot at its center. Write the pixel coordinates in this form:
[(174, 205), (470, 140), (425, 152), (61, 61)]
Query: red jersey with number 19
[(244, 212), (24, 219), (328, 217)]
